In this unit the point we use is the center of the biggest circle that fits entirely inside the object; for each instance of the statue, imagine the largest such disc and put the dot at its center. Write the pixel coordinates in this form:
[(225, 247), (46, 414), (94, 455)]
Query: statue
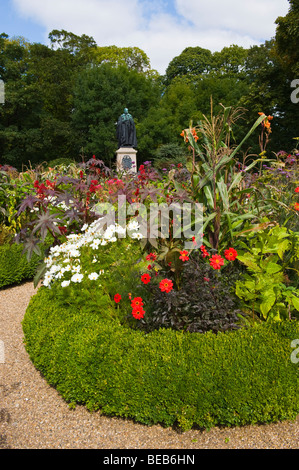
[(126, 132)]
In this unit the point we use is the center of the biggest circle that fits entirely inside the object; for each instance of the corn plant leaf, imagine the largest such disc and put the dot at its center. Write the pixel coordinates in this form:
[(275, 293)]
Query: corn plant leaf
[(255, 125), (224, 194), (209, 196)]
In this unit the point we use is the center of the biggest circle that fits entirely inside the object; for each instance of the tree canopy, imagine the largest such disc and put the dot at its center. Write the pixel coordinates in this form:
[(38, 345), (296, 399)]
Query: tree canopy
[(65, 97)]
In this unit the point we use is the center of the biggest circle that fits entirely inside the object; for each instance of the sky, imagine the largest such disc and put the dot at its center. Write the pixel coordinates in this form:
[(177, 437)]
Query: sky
[(161, 28)]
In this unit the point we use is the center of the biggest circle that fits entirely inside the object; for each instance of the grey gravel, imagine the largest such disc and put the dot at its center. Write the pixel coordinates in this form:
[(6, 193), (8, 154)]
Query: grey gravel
[(34, 416)]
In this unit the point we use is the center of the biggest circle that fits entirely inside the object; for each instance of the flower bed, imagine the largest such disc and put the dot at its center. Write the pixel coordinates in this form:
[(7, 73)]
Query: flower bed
[(181, 327), (169, 377)]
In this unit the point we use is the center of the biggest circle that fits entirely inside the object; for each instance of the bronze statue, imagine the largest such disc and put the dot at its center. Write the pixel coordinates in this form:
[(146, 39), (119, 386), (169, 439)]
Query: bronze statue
[(126, 131)]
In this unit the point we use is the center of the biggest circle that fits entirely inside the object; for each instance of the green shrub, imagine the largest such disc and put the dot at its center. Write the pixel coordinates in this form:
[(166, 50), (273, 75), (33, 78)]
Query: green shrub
[(14, 267), (60, 161), (168, 377)]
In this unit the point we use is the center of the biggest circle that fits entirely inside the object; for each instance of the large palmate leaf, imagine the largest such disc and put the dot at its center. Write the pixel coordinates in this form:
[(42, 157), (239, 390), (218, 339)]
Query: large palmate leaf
[(28, 202), (47, 222), (30, 246)]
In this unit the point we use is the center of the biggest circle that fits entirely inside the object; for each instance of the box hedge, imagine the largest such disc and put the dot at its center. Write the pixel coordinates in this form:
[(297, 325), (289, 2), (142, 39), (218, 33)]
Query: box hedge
[(169, 377), (14, 267)]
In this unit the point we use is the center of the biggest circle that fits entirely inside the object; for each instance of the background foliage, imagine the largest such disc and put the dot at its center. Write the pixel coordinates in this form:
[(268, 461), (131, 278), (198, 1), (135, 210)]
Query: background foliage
[(62, 101)]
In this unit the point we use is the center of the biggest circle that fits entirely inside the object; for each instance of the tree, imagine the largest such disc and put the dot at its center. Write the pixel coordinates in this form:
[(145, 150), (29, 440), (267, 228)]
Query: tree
[(101, 94), (133, 57), (19, 115), (81, 47), (269, 91), (230, 62), (193, 61), (287, 39), (35, 121)]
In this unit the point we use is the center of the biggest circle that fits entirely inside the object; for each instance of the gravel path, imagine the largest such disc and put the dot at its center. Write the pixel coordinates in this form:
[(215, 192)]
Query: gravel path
[(34, 416)]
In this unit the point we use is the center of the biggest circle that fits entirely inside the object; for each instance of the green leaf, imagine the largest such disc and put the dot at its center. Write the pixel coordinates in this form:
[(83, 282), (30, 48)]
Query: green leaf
[(273, 268), (249, 261), (224, 194), (41, 270), (268, 303), (209, 196), (208, 219), (236, 180), (255, 125), (295, 302)]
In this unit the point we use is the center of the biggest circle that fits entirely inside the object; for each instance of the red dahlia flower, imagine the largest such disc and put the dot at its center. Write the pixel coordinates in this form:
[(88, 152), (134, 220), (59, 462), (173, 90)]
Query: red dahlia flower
[(216, 261), (184, 255), (117, 298), (137, 302), (152, 256), (297, 189), (296, 206), (138, 312), (145, 278), (166, 285), (204, 251), (230, 254)]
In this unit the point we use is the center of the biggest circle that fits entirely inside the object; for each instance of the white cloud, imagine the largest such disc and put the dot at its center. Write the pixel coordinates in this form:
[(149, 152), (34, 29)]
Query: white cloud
[(155, 28), (254, 18)]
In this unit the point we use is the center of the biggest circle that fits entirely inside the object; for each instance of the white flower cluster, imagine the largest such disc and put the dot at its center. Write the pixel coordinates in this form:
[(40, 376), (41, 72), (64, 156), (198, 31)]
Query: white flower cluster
[(65, 258)]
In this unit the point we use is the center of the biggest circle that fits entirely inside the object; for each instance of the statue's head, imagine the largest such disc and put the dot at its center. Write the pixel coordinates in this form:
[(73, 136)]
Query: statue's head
[(126, 111)]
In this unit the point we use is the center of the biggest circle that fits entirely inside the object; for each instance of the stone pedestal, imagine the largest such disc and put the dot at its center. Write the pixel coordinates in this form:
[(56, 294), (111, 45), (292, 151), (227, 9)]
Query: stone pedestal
[(126, 160)]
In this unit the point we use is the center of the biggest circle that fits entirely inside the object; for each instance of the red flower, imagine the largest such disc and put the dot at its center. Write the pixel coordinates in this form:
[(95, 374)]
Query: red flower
[(204, 251), (296, 206), (36, 184), (230, 254), (297, 189), (50, 185), (117, 298), (216, 261), (138, 312), (137, 302), (152, 256), (184, 255), (166, 285), (63, 230), (145, 278), (141, 169), (207, 279)]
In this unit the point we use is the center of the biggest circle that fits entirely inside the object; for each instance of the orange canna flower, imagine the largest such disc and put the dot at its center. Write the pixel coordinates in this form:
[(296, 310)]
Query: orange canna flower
[(184, 134)]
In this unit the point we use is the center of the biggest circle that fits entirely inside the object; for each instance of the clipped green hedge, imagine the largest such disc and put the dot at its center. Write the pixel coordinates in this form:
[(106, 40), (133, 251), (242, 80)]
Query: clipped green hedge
[(14, 267), (167, 377)]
